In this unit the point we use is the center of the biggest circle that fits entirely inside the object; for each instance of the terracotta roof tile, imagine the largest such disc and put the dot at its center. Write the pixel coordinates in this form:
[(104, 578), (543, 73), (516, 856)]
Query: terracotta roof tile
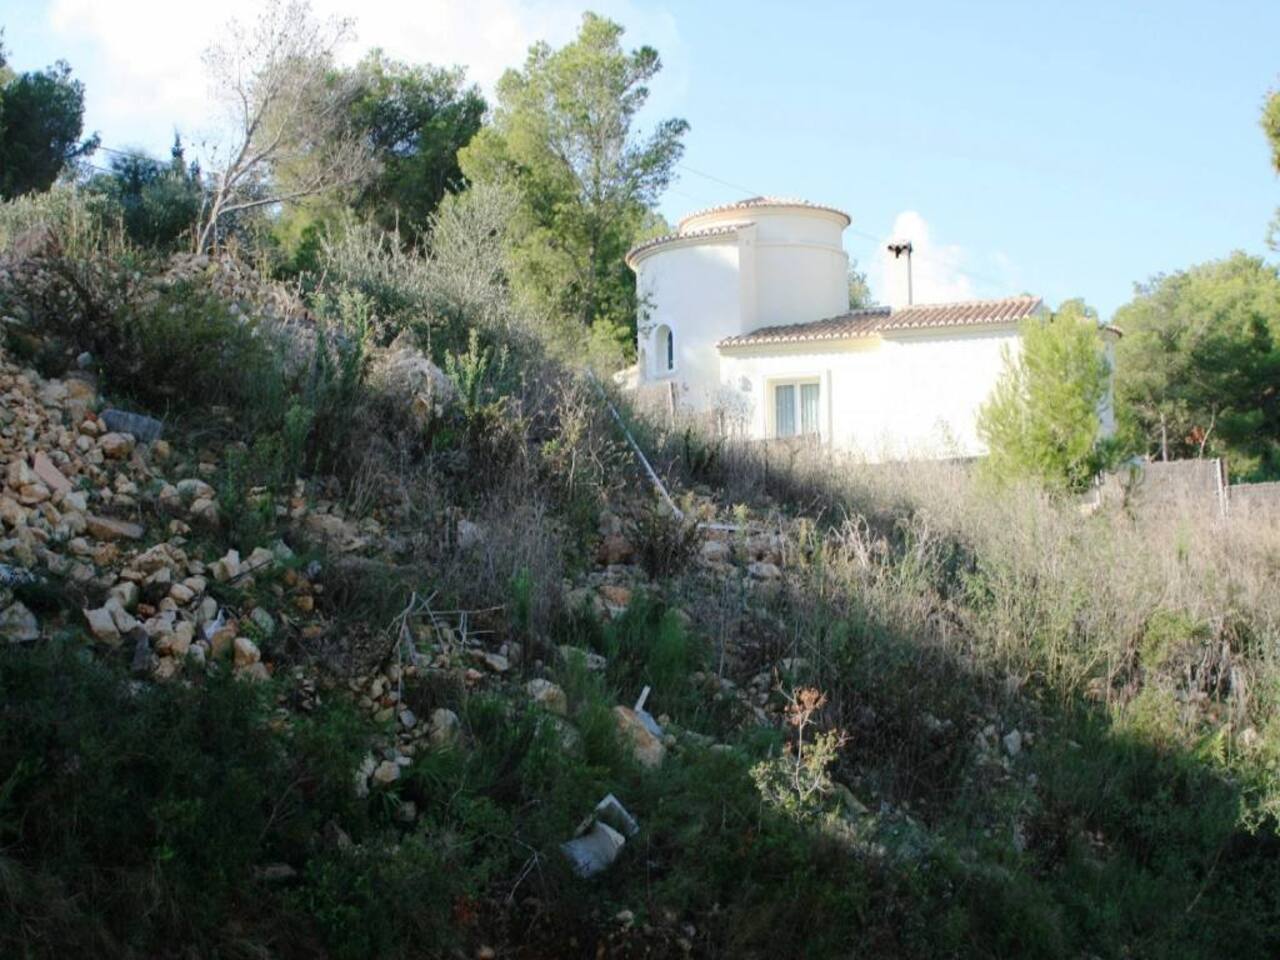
[(752, 203), (875, 320)]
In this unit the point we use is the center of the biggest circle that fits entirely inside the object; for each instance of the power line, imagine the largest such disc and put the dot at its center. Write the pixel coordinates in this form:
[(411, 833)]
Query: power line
[(726, 183)]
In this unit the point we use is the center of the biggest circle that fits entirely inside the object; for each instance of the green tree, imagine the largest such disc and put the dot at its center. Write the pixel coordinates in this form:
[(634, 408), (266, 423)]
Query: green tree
[(414, 119), (158, 202), (1043, 420), (859, 290), (41, 118), (1271, 126), (1199, 365), (5, 73), (562, 133)]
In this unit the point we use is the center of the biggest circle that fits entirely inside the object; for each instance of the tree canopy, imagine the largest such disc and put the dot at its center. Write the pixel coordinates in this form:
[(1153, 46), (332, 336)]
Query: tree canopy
[(563, 134), (288, 109), (158, 202), (860, 296), (1043, 421), (1199, 365), (41, 119), (1271, 126), (414, 119)]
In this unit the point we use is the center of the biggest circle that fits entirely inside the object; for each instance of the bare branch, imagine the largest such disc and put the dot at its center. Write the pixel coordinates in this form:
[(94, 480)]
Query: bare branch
[(277, 82)]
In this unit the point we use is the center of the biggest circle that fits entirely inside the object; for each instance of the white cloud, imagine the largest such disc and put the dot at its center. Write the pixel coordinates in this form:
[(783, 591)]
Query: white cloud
[(144, 75), (936, 269)]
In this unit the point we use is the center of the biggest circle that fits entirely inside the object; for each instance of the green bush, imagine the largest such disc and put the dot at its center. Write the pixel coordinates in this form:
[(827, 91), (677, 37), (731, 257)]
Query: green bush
[(134, 817), (665, 544)]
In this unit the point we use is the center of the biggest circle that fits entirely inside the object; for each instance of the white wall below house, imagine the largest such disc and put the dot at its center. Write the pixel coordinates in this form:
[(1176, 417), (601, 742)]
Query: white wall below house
[(911, 395)]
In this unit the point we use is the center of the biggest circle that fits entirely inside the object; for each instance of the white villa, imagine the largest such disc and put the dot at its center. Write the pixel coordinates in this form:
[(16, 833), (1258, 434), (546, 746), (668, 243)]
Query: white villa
[(745, 309)]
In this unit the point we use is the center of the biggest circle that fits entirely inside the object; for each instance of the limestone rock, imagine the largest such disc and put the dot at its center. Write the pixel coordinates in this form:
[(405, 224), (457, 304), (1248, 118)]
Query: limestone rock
[(50, 475), (1012, 743), (763, 570), (386, 773), (104, 528), (445, 727), (593, 661), (194, 488), (648, 749), (226, 568), (548, 695), (615, 549), (256, 671), (127, 593), (716, 551), (615, 595), (102, 626), (117, 446), (246, 652), (18, 624), (220, 643)]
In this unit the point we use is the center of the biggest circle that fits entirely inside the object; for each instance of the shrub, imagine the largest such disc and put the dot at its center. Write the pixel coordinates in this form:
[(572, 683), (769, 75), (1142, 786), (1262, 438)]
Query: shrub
[(664, 543), (798, 781), (134, 817), (1043, 420)]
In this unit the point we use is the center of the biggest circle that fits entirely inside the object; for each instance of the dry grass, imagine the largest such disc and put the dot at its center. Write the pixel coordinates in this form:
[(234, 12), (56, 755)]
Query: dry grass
[(1019, 590)]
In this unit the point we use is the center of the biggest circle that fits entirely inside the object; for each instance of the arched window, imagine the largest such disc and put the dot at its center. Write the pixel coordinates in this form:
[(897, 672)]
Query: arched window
[(664, 354)]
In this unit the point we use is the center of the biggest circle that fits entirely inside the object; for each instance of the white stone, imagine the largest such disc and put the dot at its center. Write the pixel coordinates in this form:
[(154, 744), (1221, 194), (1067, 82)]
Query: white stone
[(445, 727), (18, 624), (548, 695)]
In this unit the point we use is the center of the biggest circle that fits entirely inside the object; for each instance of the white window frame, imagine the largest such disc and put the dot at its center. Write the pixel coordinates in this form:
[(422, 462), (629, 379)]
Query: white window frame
[(771, 403)]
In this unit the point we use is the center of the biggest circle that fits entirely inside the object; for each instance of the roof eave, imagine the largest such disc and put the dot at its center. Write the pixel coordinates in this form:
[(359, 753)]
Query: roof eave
[(715, 235)]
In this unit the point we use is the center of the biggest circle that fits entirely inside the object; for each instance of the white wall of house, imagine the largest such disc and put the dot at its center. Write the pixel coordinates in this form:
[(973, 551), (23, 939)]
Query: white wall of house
[(693, 290), (890, 397), (779, 263)]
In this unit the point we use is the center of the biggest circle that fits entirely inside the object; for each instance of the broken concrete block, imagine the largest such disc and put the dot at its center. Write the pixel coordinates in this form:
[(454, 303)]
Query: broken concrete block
[(595, 850), (612, 812), (145, 428)]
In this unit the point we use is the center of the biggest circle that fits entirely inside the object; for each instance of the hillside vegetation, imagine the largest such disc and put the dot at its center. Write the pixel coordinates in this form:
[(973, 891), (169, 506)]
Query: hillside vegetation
[(336, 665), (339, 620)]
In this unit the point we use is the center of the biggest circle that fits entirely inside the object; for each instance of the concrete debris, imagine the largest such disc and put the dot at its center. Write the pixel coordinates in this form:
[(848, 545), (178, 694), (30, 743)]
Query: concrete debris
[(146, 429), (595, 850), (612, 812), (600, 837)]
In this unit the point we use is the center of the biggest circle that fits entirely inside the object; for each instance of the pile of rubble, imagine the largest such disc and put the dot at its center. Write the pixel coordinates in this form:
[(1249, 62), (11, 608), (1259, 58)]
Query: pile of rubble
[(112, 526)]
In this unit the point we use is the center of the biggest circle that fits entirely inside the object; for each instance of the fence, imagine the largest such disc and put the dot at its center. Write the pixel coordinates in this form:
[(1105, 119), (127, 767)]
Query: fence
[(1193, 484)]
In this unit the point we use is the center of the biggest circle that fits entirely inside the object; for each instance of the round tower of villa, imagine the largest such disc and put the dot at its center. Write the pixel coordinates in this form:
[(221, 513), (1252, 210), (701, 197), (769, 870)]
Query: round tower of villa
[(727, 271)]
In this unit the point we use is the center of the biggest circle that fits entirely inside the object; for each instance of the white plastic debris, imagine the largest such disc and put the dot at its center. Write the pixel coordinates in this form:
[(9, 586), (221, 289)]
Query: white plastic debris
[(600, 837), (214, 625), (646, 718), (612, 812), (594, 851)]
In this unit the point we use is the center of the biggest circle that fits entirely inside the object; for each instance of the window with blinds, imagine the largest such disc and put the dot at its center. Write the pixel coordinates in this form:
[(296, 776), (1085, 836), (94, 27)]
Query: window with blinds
[(795, 409)]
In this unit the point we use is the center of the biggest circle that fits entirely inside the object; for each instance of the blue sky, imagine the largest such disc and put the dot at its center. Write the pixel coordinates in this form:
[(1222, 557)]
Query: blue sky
[(1062, 148)]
